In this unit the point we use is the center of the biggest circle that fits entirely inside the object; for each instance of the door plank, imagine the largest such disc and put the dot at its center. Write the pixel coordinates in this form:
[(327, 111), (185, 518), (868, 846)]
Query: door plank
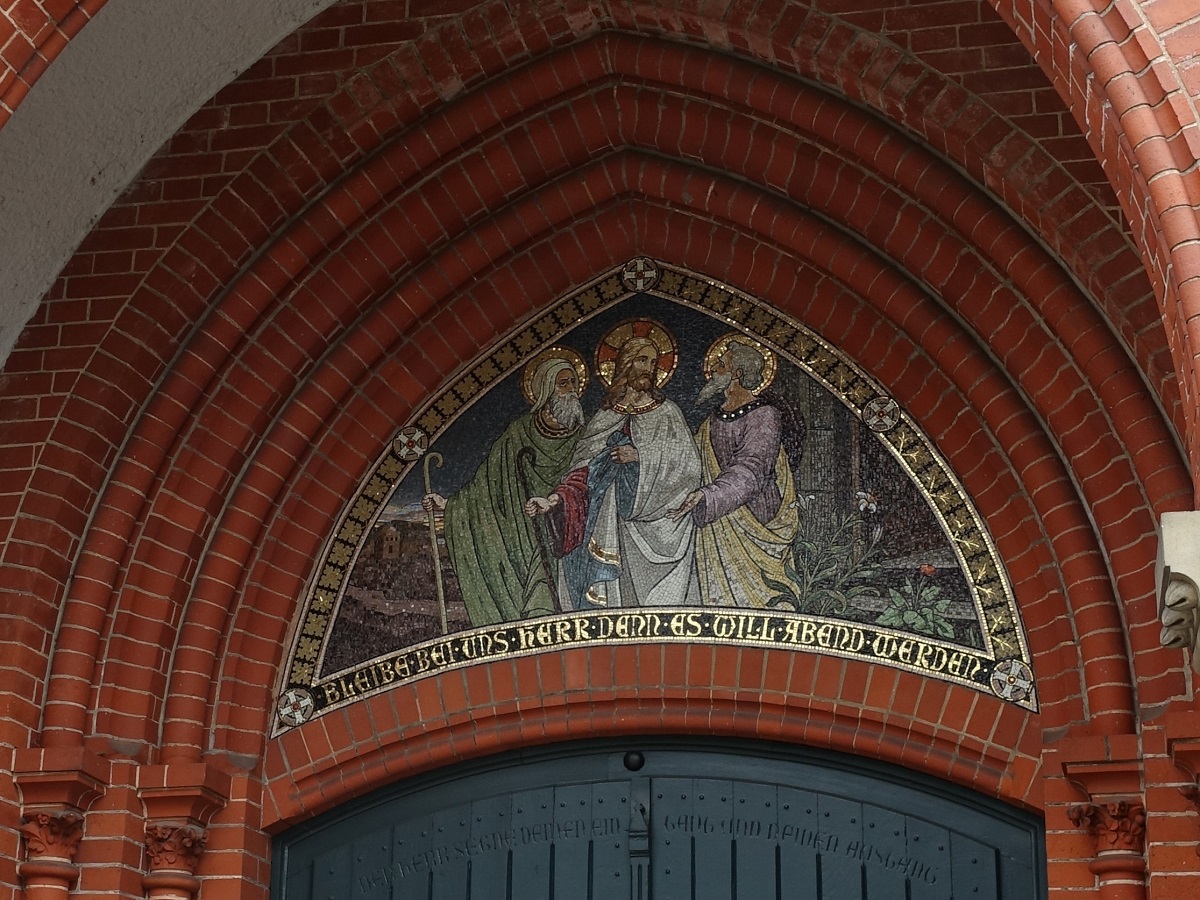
[(755, 831), (974, 869), (841, 872), (799, 840), (930, 874), (332, 872), (532, 810)]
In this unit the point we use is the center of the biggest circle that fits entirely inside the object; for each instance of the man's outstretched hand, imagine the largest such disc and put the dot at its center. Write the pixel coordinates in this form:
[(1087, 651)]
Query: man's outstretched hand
[(690, 502), (539, 506)]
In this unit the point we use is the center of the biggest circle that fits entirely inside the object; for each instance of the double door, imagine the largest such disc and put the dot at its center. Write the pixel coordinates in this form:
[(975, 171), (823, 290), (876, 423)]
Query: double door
[(666, 822)]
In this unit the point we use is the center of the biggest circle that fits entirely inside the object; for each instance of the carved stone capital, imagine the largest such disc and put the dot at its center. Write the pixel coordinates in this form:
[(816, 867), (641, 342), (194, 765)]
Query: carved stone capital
[(1177, 575), (1115, 827), (52, 835), (51, 839), (172, 847)]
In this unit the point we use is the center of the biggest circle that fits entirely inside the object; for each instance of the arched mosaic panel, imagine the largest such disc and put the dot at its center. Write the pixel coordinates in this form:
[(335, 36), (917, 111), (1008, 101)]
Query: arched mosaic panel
[(656, 457)]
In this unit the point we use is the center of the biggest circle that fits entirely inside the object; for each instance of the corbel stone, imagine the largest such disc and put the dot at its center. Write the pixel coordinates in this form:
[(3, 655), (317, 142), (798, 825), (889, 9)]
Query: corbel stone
[(1177, 575), (180, 800), (1186, 755), (59, 777), (1105, 767)]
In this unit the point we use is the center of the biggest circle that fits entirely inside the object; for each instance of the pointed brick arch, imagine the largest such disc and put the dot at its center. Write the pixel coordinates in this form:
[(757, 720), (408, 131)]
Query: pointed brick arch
[(795, 36), (278, 320), (229, 228), (216, 436), (1121, 77), (770, 271)]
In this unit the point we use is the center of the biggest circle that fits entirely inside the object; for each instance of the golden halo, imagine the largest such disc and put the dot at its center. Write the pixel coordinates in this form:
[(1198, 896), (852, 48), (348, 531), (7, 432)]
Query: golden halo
[(721, 344), (610, 347), (563, 353)]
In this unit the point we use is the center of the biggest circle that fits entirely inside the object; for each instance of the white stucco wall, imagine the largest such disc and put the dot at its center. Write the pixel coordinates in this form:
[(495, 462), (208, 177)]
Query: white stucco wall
[(119, 90)]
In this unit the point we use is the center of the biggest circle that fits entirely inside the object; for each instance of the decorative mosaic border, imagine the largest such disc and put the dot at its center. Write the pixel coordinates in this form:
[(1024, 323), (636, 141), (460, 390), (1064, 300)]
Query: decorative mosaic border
[(1003, 667)]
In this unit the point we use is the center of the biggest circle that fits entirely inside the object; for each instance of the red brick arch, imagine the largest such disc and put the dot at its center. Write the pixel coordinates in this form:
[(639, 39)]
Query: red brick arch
[(209, 441), (816, 44), (1144, 133), (663, 231), (328, 277), (798, 699), (1163, 133), (183, 281)]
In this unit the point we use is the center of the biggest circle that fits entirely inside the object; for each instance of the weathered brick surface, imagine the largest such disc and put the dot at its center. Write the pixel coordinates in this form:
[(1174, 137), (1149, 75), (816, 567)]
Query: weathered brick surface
[(32, 34), (332, 236)]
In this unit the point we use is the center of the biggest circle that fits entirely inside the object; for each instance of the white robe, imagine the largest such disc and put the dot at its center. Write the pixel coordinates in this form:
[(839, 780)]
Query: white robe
[(655, 554)]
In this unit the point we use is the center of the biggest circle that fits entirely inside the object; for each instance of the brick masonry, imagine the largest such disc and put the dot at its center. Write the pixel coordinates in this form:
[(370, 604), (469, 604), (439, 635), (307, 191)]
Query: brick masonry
[(333, 235)]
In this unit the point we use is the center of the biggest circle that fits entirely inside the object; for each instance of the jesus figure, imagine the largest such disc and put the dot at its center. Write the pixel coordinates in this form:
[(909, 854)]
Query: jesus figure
[(635, 461)]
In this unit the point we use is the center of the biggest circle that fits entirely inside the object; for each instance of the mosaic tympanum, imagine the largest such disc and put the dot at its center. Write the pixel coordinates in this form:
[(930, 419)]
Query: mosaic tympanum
[(656, 458)]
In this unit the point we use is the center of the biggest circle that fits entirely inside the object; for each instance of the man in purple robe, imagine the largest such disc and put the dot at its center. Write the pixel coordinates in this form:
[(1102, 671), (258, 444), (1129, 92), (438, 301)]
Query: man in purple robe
[(745, 509)]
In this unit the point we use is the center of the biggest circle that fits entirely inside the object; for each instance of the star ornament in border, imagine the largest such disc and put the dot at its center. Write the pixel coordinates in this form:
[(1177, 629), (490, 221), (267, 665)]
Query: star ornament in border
[(881, 413), (640, 274), (410, 443), (295, 706), (1012, 680)]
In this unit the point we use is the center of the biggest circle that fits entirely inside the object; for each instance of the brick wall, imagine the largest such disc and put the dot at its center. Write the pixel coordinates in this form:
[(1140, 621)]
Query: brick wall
[(333, 235)]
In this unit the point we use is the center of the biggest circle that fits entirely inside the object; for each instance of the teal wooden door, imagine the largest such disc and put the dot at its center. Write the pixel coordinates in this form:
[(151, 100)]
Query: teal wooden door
[(567, 841), (722, 839), (666, 822)]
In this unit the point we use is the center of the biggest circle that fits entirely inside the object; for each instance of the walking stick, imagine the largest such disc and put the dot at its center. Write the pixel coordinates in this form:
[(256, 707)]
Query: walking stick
[(527, 456), (433, 544)]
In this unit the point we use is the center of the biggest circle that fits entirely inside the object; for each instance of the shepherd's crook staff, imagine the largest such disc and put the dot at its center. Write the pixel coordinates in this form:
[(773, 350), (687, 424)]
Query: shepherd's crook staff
[(437, 557)]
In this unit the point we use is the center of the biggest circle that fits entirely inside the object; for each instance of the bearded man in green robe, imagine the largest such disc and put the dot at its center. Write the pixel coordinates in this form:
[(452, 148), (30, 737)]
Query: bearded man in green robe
[(503, 568)]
